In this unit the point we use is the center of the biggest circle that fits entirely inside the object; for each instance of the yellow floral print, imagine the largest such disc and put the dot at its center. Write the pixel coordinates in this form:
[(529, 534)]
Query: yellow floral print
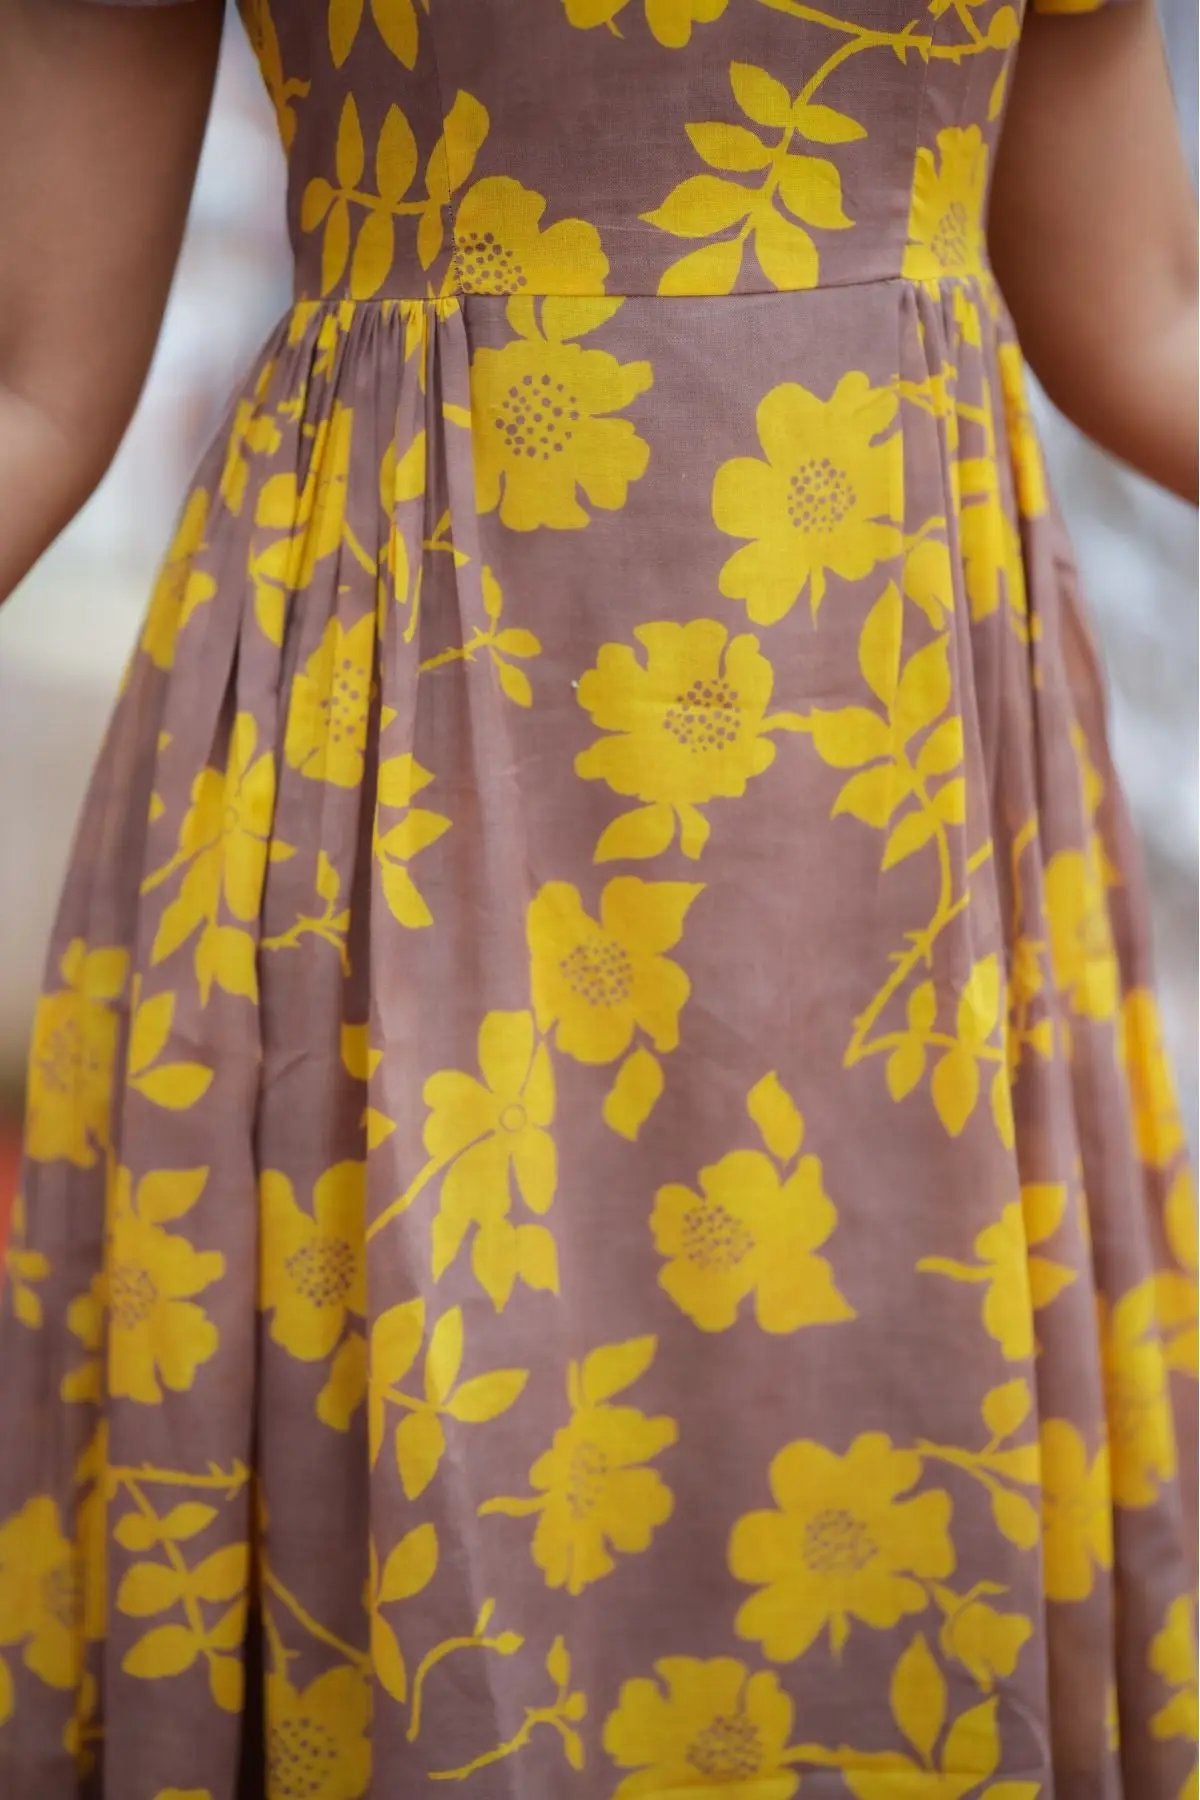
[(752, 1230), (317, 1741), (40, 1598), (158, 1336), (1178, 1300), (500, 246), (945, 224), (1077, 1511), (1140, 1423), (970, 1744), (71, 1059), (1018, 1282), (1173, 1660), (702, 1726), (1157, 1122), (671, 21), (844, 1544), (596, 983), (312, 1272), (1024, 444), (595, 1494), (986, 1641), (23, 1268), (542, 430), (1082, 952), (181, 586), (690, 724), (330, 705), (312, 513), (85, 1320), (826, 500)]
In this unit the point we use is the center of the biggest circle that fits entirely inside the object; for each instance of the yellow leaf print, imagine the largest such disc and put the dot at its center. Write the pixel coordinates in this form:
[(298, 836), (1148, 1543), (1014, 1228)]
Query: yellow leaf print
[(176, 1085), (970, 1751), (264, 40), (749, 1231), (826, 499), (670, 21), (318, 1736), (844, 1544), (85, 1320), (158, 1336), (181, 587), (312, 1272), (253, 433), (1018, 1283), (1076, 1511), (1173, 1659), (987, 1642), (501, 247), (312, 514), (702, 1725), (1082, 952), (1024, 447), (1140, 1424), (1179, 1305), (494, 1133), (72, 1057), (595, 1494), (23, 1267), (1157, 1122), (541, 428), (401, 779), (40, 1594), (596, 983), (690, 724), (945, 224), (330, 705)]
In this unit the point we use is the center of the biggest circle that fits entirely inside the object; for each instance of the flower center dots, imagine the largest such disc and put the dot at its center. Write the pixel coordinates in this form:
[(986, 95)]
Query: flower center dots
[(61, 1593), (484, 265), (63, 1059), (729, 1746), (714, 1239), (346, 711), (586, 1479), (705, 716), (537, 417), (952, 238), (836, 1543), (819, 495), (599, 973), (301, 1758), (322, 1271), (131, 1294)]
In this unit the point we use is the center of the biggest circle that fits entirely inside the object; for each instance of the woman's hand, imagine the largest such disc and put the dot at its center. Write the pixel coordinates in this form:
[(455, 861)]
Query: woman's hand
[(102, 114), (1093, 236)]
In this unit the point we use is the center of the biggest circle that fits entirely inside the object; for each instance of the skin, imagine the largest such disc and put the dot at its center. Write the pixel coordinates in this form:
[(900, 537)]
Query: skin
[(102, 114)]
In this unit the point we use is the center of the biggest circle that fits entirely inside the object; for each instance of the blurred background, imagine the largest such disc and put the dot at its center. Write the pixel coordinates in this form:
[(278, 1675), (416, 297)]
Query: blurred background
[(65, 635)]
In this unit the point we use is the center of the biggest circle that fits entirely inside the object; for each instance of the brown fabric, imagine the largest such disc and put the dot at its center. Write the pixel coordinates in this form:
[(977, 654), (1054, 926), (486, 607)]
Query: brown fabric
[(604, 1213)]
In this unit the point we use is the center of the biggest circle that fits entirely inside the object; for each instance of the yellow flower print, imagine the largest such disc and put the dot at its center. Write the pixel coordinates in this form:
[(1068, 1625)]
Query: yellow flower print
[(1024, 446), (1173, 1659), (330, 705), (225, 842), (85, 1320), (23, 1267), (749, 1231), (690, 725), (702, 1725), (945, 223), (500, 246), (157, 1334), (313, 514), (826, 500), (597, 983), (317, 1742), (181, 587), (40, 1593), (401, 779), (970, 1747), (72, 1058), (1179, 1302), (313, 1271), (1140, 1424), (987, 1642), (252, 433), (670, 21), (1082, 953), (1157, 1123), (1018, 1282), (541, 424), (595, 1494), (843, 1545), (1077, 1511)]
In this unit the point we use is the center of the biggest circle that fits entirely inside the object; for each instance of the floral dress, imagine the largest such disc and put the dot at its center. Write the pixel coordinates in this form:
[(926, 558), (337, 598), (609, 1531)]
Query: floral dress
[(604, 1216)]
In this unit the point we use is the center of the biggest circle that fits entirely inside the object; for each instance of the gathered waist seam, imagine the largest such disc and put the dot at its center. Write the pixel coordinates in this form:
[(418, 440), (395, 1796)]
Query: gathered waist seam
[(965, 277)]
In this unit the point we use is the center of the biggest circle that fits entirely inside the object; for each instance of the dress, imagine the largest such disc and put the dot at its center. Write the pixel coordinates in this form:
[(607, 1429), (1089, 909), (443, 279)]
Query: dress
[(604, 1213)]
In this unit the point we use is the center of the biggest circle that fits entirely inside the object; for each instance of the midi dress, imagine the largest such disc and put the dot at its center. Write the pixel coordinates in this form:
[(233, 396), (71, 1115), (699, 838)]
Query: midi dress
[(604, 1215)]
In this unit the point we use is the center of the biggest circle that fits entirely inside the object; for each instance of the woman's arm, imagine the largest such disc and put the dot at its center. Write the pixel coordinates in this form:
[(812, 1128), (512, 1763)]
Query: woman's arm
[(1093, 236), (102, 114)]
